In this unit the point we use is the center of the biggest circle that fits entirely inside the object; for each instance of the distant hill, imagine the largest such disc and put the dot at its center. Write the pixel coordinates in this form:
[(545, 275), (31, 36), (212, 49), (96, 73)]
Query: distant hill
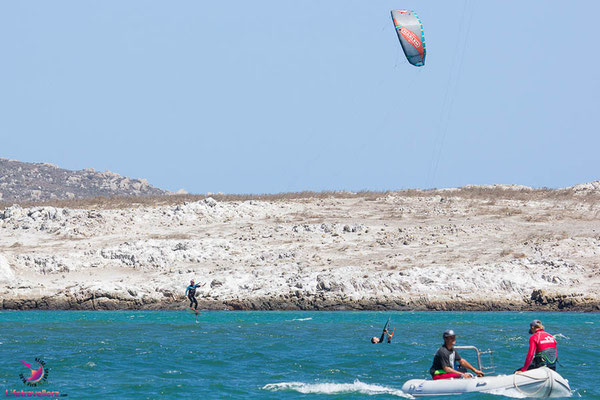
[(23, 182)]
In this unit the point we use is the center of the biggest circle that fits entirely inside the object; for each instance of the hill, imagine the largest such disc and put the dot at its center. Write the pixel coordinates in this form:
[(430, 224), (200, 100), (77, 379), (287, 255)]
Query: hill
[(31, 182)]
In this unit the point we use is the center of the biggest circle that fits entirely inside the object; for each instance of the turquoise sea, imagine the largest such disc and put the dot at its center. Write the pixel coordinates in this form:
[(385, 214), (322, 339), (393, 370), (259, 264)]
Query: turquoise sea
[(270, 355)]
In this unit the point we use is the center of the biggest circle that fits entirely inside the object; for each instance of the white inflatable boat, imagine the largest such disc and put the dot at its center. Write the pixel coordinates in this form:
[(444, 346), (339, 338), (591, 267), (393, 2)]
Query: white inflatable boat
[(539, 383)]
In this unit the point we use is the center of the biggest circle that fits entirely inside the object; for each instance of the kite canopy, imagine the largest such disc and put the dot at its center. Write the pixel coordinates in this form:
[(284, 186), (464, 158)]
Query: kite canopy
[(410, 32)]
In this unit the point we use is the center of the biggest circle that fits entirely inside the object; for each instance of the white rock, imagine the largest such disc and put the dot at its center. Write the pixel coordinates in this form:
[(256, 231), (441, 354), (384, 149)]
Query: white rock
[(6, 273)]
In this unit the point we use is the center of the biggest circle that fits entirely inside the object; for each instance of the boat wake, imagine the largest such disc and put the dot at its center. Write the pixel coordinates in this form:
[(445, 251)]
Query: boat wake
[(336, 388)]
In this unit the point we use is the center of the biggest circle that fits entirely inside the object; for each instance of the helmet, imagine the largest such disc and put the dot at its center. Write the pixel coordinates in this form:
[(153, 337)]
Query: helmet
[(448, 333)]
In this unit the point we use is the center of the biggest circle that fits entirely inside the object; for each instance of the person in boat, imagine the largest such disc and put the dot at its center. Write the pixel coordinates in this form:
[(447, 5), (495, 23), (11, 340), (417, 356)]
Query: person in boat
[(446, 356), (542, 348), (190, 292), (376, 339)]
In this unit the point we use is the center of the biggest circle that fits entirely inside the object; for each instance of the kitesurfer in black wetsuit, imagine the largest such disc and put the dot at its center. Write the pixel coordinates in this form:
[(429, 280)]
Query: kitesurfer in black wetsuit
[(376, 340), (190, 292)]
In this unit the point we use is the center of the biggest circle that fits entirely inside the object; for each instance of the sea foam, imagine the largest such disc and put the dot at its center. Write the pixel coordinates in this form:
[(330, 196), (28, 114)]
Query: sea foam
[(336, 388)]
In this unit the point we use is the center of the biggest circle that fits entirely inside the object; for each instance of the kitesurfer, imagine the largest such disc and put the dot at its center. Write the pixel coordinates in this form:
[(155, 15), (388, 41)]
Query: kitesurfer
[(376, 339), (443, 361), (542, 348), (190, 292)]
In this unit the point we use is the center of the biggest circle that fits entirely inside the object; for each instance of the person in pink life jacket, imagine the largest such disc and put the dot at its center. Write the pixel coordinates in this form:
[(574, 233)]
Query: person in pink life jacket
[(542, 348)]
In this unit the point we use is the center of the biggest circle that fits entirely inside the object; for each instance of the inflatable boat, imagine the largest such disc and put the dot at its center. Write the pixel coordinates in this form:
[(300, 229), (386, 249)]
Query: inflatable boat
[(539, 383)]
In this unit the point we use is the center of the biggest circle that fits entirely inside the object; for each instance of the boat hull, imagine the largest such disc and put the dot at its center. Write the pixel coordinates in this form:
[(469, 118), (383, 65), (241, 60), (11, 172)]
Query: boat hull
[(540, 382)]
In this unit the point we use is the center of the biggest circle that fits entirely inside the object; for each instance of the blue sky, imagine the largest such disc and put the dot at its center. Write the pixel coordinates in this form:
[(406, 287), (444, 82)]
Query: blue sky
[(277, 96)]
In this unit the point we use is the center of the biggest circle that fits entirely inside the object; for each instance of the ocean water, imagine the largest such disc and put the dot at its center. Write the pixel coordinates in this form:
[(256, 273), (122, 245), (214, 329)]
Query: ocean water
[(271, 355)]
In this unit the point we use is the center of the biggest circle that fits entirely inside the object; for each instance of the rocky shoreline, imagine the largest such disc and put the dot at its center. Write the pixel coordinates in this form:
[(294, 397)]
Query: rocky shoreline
[(105, 302), (494, 249)]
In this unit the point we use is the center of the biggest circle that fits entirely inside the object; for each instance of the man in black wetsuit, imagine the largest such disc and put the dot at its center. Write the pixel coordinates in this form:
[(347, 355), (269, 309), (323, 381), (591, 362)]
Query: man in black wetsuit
[(376, 340), (190, 292)]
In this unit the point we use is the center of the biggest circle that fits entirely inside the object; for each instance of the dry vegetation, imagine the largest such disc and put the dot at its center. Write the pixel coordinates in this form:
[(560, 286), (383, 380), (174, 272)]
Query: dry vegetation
[(490, 195)]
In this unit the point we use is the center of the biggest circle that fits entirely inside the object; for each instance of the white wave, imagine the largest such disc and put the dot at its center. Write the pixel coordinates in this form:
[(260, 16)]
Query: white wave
[(560, 335), (335, 388), (302, 319)]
